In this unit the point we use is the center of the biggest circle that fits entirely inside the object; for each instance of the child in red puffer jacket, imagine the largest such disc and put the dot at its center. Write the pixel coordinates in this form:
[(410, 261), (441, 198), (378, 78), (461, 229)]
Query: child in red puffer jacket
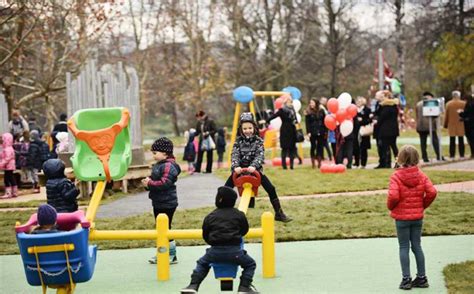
[(409, 194)]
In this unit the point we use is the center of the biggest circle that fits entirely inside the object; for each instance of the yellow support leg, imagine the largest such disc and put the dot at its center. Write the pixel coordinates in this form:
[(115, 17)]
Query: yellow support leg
[(163, 248), (235, 125), (268, 245)]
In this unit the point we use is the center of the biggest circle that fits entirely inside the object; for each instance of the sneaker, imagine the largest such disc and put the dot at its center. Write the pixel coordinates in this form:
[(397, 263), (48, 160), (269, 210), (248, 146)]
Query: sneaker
[(247, 289), (152, 260), (405, 284), (420, 282), (173, 260), (192, 288)]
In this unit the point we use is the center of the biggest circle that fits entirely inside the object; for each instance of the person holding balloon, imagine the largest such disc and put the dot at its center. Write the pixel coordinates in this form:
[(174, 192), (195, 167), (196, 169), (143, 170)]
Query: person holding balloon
[(314, 117), (287, 114), (341, 120)]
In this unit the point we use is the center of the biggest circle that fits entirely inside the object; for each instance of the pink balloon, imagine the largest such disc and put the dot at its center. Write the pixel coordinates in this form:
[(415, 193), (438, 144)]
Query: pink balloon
[(333, 105), (340, 168), (330, 122), (341, 115), (351, 110)]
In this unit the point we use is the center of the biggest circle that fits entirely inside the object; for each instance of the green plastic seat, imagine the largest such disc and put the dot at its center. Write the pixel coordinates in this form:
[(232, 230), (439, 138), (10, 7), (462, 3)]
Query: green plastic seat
[(102, 139)]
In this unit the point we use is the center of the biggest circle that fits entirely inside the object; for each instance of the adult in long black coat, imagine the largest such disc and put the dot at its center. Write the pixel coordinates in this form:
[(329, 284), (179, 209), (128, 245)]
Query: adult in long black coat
[(317, 132), (364, 119), (287, 130), (205, 127), (468, 117), (388, 127)]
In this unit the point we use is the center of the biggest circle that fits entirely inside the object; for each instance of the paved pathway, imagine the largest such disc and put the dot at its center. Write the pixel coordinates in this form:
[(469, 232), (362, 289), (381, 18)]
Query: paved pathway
[(331, 266), (194, 191)]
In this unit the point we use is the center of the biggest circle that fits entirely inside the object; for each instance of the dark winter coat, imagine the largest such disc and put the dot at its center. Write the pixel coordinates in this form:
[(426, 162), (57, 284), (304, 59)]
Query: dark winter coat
[(164, 175), (288, 127), (38, 153), (189, 150), (387, 120), (410, 192), (364, 114), (248, 152), (60, 191), (467, 117), (225, 227), (220, 142), (207, 125), (21, 154), (315, 123)]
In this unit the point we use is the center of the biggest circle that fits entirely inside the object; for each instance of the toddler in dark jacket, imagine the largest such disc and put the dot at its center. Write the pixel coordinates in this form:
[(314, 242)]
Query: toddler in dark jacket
[(223, 229), (60, 191), (162, 187)]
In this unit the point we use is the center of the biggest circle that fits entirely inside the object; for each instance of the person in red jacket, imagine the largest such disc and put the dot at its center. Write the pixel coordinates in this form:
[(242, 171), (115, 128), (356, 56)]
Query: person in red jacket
[(409, 194)]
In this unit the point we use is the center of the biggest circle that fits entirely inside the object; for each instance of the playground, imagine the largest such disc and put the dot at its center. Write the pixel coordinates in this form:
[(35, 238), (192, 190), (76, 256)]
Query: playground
[(302, 267)]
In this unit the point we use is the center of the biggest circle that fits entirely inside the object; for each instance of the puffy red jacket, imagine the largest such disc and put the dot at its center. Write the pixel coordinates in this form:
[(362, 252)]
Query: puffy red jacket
[(409, 193)]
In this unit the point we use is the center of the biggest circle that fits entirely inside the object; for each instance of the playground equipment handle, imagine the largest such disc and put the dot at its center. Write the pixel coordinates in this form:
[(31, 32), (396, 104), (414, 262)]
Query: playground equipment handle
[(239, 179)]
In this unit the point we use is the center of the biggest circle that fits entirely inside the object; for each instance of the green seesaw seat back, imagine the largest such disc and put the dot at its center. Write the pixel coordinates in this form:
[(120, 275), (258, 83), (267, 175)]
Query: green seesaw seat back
[(86, 163)]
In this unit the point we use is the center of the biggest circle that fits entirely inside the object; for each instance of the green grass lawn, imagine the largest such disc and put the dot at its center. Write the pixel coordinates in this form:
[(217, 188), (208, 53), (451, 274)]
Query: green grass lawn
[(305, 181), (314, 219), (459, 277)]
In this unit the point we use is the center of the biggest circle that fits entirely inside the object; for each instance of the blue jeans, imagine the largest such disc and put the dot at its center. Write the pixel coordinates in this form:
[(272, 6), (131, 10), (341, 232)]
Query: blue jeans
[(225, 254), (410, 232)]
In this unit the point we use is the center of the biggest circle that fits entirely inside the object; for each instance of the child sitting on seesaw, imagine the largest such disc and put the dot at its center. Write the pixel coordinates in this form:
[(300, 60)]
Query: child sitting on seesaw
[(46, 217), (248, 152), (223, 229)]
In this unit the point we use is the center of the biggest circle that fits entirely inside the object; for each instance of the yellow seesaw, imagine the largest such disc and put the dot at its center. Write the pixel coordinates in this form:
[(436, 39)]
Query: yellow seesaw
[(248, 187)]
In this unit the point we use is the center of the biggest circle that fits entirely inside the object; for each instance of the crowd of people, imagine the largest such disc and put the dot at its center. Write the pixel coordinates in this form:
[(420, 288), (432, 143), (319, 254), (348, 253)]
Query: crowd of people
[(25, 148)]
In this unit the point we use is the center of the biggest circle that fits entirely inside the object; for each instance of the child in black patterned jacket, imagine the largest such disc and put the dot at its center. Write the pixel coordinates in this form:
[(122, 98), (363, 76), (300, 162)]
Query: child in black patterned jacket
[(248, 152)]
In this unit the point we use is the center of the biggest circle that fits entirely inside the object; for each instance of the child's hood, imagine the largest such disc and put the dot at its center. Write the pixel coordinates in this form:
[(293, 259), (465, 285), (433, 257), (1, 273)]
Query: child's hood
[(7, 140), (409, 176), (54, 168)]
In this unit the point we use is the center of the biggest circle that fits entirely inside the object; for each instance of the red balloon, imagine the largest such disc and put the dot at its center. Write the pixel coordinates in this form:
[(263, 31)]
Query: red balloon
[(278, 103), (333, 105), (341, 115), (277, 161), (351, 110), (339, 168), (330, 122)]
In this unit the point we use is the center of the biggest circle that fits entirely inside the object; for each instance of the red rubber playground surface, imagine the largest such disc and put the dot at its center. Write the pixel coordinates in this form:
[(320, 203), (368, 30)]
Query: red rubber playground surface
[(333, 266)]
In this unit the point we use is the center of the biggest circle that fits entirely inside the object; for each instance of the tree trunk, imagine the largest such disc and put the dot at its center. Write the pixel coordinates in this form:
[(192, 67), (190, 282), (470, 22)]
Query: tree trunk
[(399, 4)]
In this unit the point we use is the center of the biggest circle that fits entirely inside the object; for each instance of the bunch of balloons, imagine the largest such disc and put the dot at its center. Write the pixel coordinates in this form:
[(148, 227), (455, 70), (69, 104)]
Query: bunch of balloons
[(293, 93), (342, 111), (332, 168)]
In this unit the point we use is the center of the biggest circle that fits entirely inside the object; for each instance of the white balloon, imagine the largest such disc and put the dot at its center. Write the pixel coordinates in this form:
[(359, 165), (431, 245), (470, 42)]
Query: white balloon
[(344, 100), (346, 127), (298, 116), (276, 123), (297, 105)]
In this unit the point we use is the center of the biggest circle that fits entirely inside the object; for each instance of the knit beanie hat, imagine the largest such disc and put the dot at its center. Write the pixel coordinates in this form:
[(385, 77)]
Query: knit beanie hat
[(46, 215), (247, 117), (163, 144), (225, 197)]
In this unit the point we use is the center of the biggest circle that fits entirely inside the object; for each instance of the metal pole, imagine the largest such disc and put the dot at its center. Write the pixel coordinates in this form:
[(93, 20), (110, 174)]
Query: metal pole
[(431, 135), (381, 73)]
